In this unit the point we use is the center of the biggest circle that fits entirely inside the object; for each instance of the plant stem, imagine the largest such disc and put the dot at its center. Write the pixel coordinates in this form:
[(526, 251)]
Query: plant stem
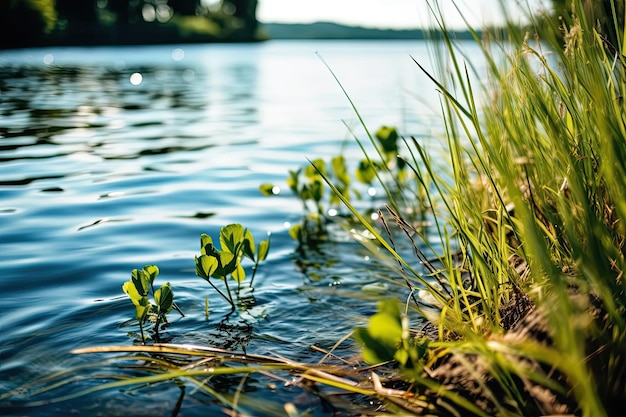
[(254, 268), (230, 296), (143, 338), (220, 292)]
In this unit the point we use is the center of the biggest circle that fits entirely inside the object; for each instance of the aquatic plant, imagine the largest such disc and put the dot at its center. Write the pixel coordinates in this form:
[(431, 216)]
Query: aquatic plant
[(139, 288), (308, 184), (236, 243)]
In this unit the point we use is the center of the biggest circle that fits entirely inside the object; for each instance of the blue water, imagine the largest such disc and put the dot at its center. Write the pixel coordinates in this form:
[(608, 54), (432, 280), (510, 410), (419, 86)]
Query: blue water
[(99, 176)]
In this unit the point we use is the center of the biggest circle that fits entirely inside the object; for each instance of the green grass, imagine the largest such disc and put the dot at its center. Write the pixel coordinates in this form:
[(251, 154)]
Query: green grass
[(536, 206)]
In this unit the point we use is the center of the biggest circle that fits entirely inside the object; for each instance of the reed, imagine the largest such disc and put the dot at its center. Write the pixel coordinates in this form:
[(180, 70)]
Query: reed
[(530, 200)]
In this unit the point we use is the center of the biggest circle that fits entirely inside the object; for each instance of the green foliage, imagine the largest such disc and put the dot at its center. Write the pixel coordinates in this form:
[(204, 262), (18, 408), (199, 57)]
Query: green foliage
[(387, 337), (531, 220), (388, 138), (138, 289), (25, 23), (310, 182), (236, 243), (366, 172)]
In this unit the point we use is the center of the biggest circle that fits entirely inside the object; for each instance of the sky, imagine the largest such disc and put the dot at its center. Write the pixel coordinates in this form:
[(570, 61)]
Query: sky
[(397, 14)]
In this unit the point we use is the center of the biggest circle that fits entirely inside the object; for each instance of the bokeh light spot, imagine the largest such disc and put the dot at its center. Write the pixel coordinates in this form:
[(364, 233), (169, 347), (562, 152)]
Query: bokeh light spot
[(48, 59), (178, 54), (136, 78)]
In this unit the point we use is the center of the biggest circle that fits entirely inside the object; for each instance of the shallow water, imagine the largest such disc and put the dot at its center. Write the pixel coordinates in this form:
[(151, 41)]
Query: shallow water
[(99, 176)]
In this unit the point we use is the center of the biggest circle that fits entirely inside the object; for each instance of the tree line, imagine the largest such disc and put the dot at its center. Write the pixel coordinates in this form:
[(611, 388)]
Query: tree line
[(25, 23)]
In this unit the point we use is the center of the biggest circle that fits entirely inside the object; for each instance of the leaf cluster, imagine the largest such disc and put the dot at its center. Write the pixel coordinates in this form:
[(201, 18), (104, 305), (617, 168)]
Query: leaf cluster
[(139, 288), (236, 244)]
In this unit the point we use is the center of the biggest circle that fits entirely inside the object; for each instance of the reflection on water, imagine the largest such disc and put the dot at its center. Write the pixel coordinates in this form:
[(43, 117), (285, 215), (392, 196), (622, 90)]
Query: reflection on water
[(112, 158)]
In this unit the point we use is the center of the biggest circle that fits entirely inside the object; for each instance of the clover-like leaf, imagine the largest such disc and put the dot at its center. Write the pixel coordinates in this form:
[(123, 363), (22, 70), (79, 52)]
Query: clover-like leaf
[(151, 272), (313, 171), (206, 266), (248, 245), (296, 232), (388, 138), (141, 302), (164, 298), (231, 238), (339, 169), (227, 262), (239, 274), (142, 311), (293, 181), (205, 241), (317, 190), (131, 290), (267, 189), (381, 340), (264, 248), (141, 281), (365, 172)]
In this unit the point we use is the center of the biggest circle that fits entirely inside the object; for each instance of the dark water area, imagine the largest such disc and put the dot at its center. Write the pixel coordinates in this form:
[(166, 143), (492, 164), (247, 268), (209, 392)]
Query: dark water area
[(112, 158)]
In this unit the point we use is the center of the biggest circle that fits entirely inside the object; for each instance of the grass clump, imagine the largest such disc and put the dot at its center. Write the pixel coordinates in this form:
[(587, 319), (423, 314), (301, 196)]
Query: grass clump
[(530, 301)]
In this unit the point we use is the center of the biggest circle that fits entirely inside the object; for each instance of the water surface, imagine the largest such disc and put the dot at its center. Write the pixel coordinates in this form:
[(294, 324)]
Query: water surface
[(103, 171)]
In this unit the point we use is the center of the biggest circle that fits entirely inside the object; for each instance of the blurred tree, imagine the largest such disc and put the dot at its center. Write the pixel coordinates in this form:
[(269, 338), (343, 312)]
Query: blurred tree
[(77, 18), (246, 11), (83, 11), (185, 7), (26, 22), (125, 11), (89, 22)]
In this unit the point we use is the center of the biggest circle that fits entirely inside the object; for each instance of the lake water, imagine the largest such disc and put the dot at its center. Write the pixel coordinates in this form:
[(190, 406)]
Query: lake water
[(103, 171)]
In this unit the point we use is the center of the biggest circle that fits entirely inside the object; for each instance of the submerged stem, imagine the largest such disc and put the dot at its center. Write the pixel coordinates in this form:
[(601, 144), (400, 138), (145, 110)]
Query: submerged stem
[(227, 298), (230, 296)]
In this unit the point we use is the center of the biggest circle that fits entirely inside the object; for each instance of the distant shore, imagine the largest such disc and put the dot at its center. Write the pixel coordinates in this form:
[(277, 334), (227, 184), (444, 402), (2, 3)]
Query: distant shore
[(328, 30), (170, 34)]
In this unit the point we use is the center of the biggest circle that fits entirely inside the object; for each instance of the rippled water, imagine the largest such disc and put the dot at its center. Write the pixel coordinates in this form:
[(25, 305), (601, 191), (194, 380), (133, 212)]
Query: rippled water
[(99, 176)]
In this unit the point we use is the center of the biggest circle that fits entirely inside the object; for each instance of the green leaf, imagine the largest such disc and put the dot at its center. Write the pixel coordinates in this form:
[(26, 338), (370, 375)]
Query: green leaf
[(141, 281), (142, 311), (312, 173), (164, 298), (382, 339), (239, 274), (231, 238), (227, 264), (317, 190), (206, 266), (373, 352), (131, 290), (365, 172), (248, 245), (293, 181), (141, 302), (267, 189), (264, 248), (305, 193), (339, 169), (386, 325), (151, 272), (206, 244), (296, 232), (388, 138)]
